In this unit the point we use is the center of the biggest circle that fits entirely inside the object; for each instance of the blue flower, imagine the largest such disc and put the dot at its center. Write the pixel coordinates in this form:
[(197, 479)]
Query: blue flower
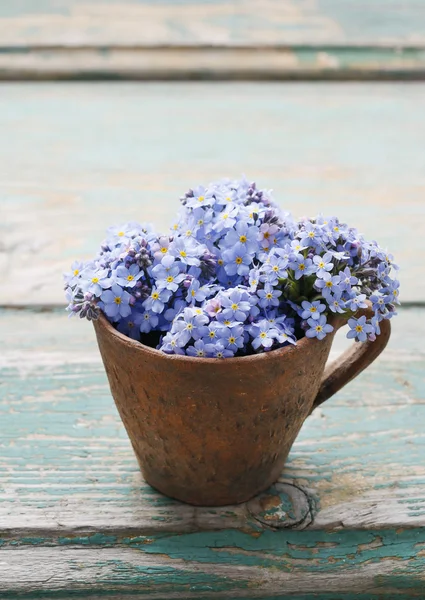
[(198, 349), (232, 337), (318, 328), (116, 302), (169, 344), (275, 269), (243, 234), (218, 350), (336, 304), (95, 281), (72, 278), (237, 260), (254, 279), (186, 250), (269, 296), (146, 321), (359, 329), (310, 235), (262, 334), (357, 302), (157, 299), (187, 324), (235, 307), (196, 292), (302, 266), (323, 264), (328, 285), (128, 277), (347, 279), (312, 310), (201, 197)]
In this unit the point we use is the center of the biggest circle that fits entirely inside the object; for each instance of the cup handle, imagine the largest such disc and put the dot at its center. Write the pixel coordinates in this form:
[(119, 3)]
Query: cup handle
[(353, 361)]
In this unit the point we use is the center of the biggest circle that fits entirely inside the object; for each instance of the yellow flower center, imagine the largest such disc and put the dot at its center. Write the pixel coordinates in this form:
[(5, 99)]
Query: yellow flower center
[(220, 261), (183, 253), (212, 334), (359, 328), (319, 328), (200, 353), (95, 280), (130, 324), (228, 199), (227, 322), (234, 306), (121, 233), (201, 222), (232, 340), (189, 326), (193, 293), (321, 264), (266, 235), (269, 296), (263, 334), (201, 198), (146, 317), (198, 311), (238, 260), (395, 292), (170, 279), (130, 277), (302, 267), (329, 284), (164, 250), (313, 309), (254, 282), (117, 300), (76, 272), (242, 239), (175, 226), (275, 268), (188, 233), (336, 228), (155, 295), (225, 216)]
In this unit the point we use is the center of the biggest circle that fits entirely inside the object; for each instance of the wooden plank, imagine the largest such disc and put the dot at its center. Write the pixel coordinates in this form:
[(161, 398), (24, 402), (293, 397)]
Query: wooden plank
[(253, 39), (214, 63), (223, 564), (77, 158), (211, 22), (77, 520), (66, 465)]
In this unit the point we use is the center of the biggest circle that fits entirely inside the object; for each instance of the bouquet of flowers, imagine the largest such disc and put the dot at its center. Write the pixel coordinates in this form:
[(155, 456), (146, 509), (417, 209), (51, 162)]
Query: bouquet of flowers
[(235, 276)]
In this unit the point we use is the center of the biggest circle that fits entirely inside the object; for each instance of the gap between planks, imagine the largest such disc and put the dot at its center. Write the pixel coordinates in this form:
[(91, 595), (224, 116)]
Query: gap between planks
[(213, 62)]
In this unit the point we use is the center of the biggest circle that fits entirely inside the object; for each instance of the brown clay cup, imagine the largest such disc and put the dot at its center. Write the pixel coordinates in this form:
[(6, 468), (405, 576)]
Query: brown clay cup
[(218, 431)]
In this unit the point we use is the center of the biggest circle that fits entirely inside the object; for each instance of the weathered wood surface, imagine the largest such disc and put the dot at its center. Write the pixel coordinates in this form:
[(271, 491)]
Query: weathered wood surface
[(66, 462), (77, 518), (77, 158), (282, 39), (211, 22)]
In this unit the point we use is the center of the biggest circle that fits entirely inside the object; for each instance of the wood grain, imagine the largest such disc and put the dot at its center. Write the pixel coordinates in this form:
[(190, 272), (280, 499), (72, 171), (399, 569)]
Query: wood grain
[(77, 158), (66, 463), (77, 520), (209, 22), (251, 39)]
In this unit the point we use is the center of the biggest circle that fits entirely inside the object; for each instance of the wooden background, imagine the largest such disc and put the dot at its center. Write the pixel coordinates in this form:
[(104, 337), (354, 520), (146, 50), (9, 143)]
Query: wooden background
[(255, 39), (76, 519)]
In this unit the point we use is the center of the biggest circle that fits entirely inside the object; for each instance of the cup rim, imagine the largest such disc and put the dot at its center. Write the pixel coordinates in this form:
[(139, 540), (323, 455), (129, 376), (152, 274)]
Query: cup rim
[(301, 344)]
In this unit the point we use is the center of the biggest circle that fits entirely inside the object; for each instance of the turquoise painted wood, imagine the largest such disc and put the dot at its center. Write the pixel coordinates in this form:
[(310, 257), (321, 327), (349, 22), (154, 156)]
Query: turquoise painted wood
[(77, 520), (77, 158), (252, 39)]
